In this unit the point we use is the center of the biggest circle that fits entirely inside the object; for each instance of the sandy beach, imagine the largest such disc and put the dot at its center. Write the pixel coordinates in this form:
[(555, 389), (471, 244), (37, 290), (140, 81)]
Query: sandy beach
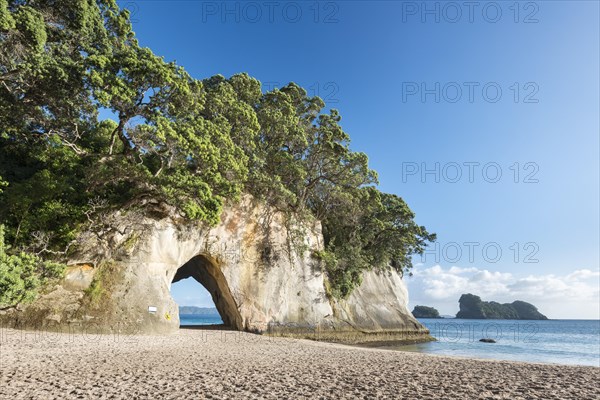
[(226, 364)]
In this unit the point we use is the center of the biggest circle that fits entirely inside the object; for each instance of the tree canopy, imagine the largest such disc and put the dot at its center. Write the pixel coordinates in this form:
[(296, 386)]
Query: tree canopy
[(89, 119)]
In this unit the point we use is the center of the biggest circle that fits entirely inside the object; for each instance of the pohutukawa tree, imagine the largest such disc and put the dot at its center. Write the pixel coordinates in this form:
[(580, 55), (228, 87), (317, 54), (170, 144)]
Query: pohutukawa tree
[(194, 144)]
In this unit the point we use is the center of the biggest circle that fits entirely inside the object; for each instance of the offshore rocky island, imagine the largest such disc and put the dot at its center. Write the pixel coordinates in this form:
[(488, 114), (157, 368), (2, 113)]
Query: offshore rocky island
[(472, 307)]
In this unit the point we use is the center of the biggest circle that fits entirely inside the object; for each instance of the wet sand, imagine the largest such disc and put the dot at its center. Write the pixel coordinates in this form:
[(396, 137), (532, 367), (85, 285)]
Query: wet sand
[(219, 364)]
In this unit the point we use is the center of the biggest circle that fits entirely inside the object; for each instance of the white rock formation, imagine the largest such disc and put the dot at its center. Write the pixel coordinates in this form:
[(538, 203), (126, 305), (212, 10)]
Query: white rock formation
[(257, 266)]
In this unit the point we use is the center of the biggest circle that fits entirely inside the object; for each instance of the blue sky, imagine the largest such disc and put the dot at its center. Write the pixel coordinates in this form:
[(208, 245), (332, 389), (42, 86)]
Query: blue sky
[(498, 88)]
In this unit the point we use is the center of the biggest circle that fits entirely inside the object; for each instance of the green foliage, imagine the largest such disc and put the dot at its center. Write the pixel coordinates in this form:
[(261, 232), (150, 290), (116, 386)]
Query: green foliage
[(6, 18), (341, 277), (102, 285), (95, 291), (367, 230), (194, 144), (22, 275), (30, 23)]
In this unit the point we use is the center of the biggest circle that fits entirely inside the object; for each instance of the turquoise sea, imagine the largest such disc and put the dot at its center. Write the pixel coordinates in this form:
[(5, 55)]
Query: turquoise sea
[(574, 342), (191, 319)]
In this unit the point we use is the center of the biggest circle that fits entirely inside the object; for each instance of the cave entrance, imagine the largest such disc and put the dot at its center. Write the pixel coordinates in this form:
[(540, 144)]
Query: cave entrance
[(207, 274)]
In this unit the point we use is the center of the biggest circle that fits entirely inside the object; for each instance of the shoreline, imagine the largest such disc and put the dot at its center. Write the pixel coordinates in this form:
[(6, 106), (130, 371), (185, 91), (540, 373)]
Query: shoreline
[(217, 363), (474, 358), (395, 344)]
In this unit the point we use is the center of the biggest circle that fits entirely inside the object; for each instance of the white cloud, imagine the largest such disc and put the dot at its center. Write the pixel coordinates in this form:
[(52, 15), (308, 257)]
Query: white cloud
[(584, 274), (458, 270), (574, 295)]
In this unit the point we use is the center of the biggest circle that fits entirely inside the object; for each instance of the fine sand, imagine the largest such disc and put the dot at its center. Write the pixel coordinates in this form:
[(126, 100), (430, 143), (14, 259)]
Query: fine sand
[(197, 363)]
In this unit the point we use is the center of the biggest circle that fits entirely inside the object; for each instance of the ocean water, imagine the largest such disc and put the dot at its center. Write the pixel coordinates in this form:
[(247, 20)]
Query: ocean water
[(190, 319), (575, 342)]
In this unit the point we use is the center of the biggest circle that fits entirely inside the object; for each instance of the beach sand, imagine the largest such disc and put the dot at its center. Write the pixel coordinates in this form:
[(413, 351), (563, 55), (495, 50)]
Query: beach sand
[(196, 363)]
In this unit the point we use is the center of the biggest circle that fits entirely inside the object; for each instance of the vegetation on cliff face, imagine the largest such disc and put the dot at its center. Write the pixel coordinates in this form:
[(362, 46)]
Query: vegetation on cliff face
[(425, 312), (22, 275), (472, 307), (191, 143)]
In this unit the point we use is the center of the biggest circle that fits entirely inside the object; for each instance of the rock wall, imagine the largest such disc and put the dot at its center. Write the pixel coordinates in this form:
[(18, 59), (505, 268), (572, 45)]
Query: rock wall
[(257, 265)]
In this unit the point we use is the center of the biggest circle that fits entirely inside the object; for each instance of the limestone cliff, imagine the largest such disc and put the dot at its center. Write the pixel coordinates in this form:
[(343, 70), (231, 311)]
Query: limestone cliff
[(257, 265)]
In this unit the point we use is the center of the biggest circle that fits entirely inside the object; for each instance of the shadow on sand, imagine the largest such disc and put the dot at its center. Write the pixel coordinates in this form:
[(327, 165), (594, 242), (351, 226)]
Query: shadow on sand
[(214, 327)]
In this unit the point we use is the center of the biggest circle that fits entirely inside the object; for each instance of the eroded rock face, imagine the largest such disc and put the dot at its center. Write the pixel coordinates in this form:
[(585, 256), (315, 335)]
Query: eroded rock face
[(257, 265)]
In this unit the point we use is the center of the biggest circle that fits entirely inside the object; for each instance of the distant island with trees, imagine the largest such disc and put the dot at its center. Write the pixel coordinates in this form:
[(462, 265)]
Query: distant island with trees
[(425, 312), (472, 307)]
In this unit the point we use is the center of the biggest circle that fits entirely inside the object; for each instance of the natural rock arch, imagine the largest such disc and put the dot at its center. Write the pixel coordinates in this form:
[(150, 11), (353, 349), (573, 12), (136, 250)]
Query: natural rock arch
[(130, 271), (206, 272)]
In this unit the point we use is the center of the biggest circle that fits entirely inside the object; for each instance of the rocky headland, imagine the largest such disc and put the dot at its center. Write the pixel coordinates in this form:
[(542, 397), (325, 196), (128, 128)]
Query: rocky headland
[(472, 307), (262, 279)]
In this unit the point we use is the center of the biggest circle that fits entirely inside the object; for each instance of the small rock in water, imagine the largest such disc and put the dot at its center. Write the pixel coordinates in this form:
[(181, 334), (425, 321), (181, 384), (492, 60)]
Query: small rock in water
[(487, 340)]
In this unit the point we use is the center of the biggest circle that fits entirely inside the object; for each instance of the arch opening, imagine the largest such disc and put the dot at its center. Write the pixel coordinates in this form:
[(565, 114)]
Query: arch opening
[(205, 272), (195, 305)]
